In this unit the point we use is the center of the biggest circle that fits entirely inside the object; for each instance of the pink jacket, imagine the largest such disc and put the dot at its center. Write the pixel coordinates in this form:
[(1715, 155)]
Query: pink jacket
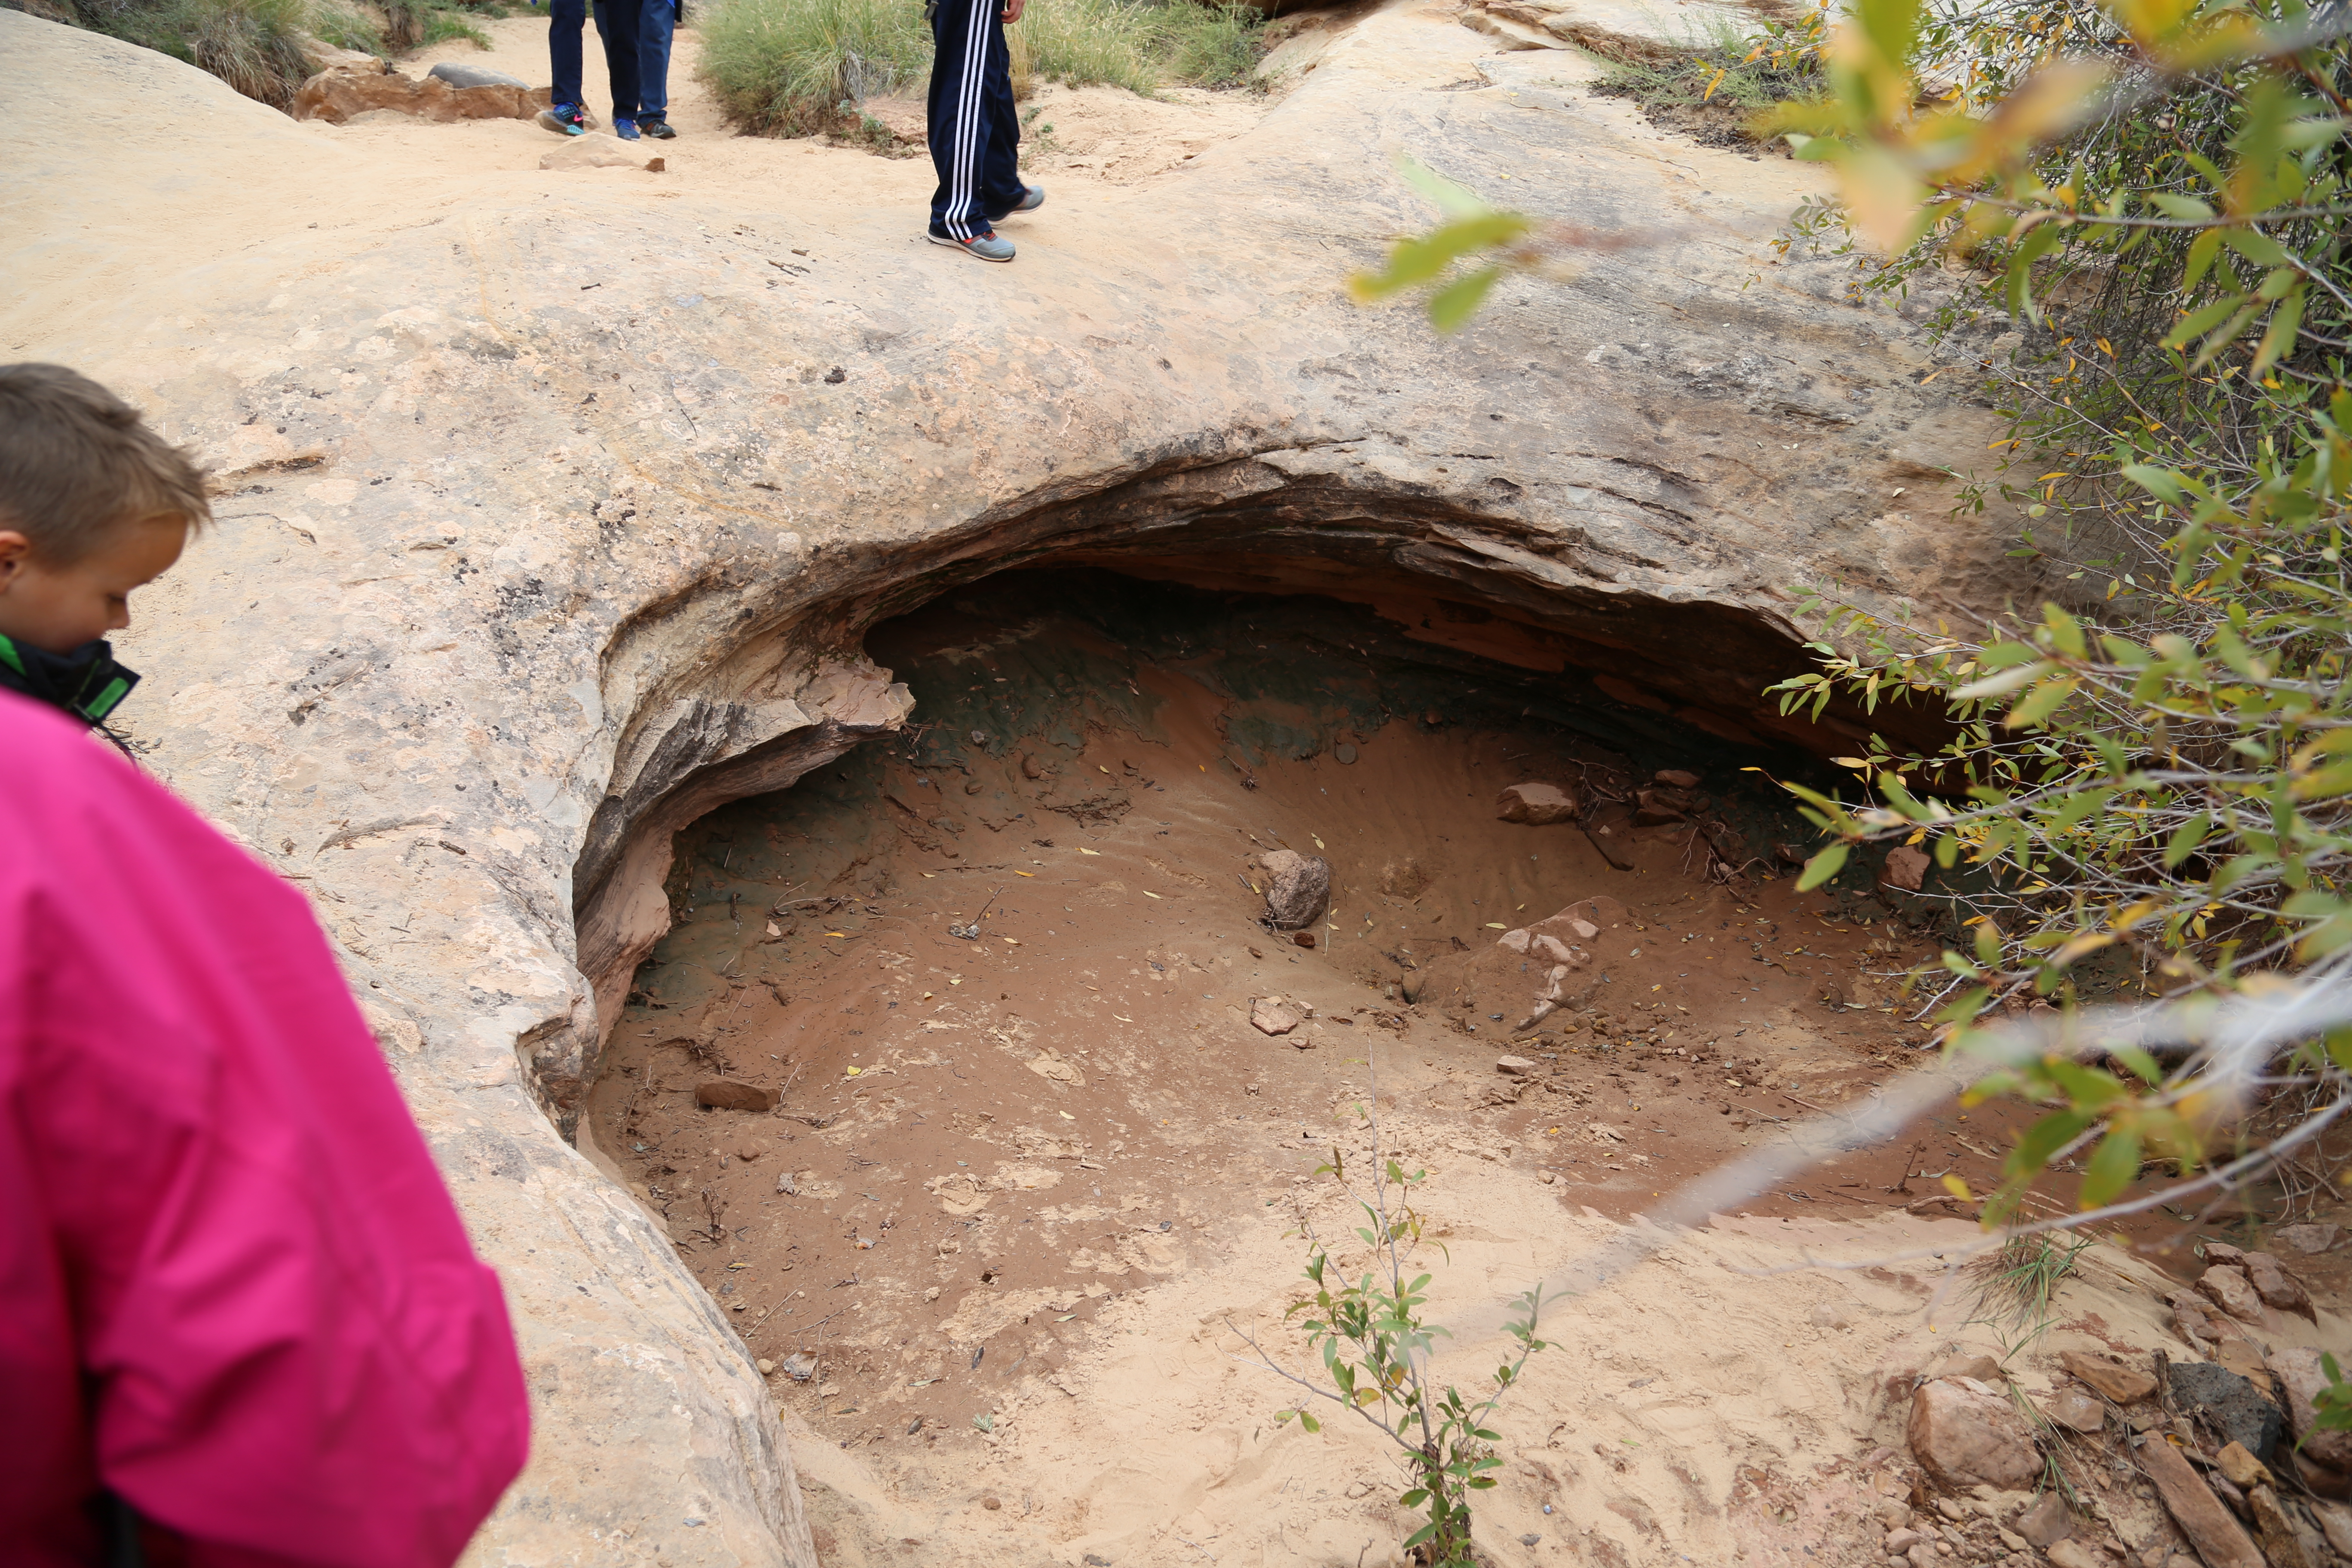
[(232, 1286)]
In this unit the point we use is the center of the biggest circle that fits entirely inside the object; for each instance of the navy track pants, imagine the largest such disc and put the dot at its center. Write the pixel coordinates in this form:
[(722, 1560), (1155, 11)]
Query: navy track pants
[(976, 131)]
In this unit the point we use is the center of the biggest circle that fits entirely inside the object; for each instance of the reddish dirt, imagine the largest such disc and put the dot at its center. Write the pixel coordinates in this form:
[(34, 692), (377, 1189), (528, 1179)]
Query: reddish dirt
[(1017, 1128)]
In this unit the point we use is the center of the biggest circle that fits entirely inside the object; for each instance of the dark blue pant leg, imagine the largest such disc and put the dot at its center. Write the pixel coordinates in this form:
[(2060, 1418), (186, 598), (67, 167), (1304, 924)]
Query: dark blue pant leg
[(975, 132), (565, 20), (653, 58), (1001, 189), (618, 23)]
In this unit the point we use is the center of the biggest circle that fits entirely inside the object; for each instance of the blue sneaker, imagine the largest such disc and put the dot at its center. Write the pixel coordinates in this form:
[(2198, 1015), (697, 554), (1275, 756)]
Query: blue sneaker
[(563, 118), (626, 130)]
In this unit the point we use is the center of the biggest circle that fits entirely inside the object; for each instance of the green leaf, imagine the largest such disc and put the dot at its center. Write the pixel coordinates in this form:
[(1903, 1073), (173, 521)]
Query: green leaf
[(1420, 260), (1451, 306), (2278, 340), (1822, 867), (2110, 1169), (2041, 1140), (2181, 206), (1452, 200), (2197, 324), (2186, 837), (1310, 1422), (2202, 251)]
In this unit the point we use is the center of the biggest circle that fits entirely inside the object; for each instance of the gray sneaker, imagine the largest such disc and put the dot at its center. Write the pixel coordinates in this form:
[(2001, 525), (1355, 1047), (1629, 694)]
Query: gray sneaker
[(1032, 198), (988, 246)]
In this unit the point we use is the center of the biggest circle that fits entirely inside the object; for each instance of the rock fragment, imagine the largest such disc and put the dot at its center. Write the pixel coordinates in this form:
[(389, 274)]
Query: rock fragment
[(2231, 1292), (2045, 1523), (733, 1094), (2124, 1384), (2232, 1402), (1537, 805), (1299, 887), (2217, 1537), (2276, 1287), (1272, 1016), (1963, 1434), (2075, 1410), (1675, 778), (2308, 1239), (1515, 1067), (1906, 869)]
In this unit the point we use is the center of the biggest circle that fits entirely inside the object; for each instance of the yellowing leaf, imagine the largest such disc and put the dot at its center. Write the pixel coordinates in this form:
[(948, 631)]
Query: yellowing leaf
[(1085, 851), (1150, 894)]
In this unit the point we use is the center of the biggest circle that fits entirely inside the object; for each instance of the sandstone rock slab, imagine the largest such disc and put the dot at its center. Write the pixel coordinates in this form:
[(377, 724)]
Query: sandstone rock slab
[(1272, 1016), (733, 1094), (2301, 1377), (2230, 1290), (2218, 1537)]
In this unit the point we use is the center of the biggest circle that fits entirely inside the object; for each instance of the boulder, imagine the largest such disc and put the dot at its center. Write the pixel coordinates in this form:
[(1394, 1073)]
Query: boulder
[(1675, 778), (733, 1094), (342, 91), (2301, 1377), (1537, 805), (1964, 1434), (1297, 888)]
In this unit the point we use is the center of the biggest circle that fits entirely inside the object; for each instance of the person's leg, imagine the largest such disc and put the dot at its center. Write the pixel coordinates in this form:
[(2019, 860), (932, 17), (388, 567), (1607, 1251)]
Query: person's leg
[(654, 35), (565, 21), (1001, 190), (961, 31), (618, 21)]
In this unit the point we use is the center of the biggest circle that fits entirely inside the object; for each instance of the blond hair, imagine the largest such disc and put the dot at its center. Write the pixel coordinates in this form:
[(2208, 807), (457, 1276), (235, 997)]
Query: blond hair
[(75, 464)]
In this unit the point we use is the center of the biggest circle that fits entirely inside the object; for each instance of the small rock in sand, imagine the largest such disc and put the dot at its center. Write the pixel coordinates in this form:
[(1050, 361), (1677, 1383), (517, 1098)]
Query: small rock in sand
[(1272, 1016), (1675, 778), (991, 1504), (1305, 939), (1983, 1368), (800, 1367), (1518, 1066), (732, 1094), (456, 74), (1906, 869), (2074, 1554), (1537, 805), (747, 1152), (1830, 1315), (787, 1185), (1299, 887), (766, 1367)]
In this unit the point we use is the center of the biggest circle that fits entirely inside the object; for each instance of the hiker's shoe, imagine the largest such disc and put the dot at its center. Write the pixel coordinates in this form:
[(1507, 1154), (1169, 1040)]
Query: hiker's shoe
[(987, 247), (563, 118), (626, 130), (1032, 198), (657, 127)]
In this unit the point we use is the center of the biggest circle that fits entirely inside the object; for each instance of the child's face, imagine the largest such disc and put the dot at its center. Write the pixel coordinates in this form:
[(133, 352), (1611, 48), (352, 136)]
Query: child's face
[(59, 606)]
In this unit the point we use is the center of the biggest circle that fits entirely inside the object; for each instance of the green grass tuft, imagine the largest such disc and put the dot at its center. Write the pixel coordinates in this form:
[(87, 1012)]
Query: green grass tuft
[(252, 45)]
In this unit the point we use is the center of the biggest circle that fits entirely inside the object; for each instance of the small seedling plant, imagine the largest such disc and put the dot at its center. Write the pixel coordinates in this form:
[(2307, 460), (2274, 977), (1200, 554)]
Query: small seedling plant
[(1375, 1351)]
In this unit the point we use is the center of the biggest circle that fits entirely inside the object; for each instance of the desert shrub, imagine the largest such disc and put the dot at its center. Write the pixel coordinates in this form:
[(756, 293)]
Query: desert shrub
[(793, 68), (783, 67), (1212, 44), (346, 26), (252, 45)]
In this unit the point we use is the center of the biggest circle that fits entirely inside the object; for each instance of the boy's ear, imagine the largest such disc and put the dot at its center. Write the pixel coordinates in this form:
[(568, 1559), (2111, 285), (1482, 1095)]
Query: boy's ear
[(15, 550)]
